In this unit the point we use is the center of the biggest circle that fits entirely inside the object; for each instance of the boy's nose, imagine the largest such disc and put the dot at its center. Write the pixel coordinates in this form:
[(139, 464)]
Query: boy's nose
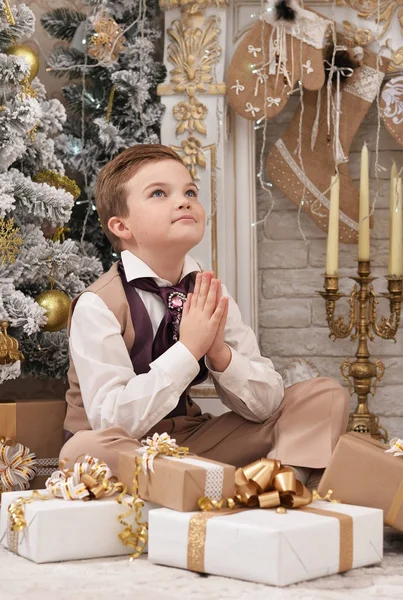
[(184, 204)]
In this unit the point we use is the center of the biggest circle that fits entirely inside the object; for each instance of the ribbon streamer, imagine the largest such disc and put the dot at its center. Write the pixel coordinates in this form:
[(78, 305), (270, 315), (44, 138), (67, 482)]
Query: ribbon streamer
[(334, 103), (159, 445), (18, 465), (137, 539)]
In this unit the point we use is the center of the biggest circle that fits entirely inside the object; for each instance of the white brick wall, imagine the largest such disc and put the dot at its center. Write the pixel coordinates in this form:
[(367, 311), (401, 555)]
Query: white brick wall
[(291, 314)]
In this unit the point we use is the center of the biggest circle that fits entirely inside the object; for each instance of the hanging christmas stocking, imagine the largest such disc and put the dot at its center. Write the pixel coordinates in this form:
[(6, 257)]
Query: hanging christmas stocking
[(321, 146), (391, 105), (283, 47)]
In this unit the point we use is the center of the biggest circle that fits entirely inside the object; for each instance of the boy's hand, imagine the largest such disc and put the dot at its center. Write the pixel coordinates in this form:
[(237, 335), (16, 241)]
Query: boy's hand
[(219, 353), (202, 315)]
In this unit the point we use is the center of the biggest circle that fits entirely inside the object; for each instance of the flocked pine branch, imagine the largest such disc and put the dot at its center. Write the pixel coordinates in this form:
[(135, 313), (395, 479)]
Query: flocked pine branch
[(31, 210)]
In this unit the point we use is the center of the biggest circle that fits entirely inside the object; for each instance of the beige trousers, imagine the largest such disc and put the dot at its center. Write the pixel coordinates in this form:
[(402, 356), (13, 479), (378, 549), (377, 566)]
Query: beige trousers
[(302, 432)]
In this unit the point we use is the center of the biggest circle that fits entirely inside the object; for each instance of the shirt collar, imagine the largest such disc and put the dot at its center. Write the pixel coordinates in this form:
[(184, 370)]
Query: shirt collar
[(135, 267)]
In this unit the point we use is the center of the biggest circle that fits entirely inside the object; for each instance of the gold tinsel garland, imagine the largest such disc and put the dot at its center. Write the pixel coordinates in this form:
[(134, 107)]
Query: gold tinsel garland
[(58, 181), (8, 13), (10, 241)]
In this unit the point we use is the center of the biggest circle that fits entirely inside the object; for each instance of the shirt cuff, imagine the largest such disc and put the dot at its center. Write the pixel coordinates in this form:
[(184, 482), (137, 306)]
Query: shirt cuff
[(179, 364), (236, 375)]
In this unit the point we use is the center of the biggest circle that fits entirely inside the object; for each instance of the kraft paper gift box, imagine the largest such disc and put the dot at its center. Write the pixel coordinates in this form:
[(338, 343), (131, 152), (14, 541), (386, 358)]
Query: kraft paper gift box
[(178, 483), (361, 472), (263, 546), (59, 530), (38, 425)]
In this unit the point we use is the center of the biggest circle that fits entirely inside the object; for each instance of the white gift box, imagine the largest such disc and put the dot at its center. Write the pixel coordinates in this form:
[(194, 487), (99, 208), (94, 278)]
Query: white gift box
[(266, 547), (59, 530)]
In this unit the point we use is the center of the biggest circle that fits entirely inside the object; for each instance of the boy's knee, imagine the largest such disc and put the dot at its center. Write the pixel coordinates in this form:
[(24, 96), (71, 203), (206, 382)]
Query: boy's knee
[(80, 444), (340, 395)]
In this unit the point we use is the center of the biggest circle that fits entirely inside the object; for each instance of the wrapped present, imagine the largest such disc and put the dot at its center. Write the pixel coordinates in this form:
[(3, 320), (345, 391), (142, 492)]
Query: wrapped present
[(38, 426), (58, 524), (58, 530), (169, 477), (265, 545), (363, 472)]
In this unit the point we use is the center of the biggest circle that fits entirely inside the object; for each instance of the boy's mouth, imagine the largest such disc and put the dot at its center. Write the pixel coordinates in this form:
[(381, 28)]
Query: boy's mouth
[(185, 218)]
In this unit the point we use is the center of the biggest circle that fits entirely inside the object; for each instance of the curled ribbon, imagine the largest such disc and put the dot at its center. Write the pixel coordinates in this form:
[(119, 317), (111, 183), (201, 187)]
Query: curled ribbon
[(159, 445), (264, 483), (138, 538), (18, 465), (89, 479), (396, 447)]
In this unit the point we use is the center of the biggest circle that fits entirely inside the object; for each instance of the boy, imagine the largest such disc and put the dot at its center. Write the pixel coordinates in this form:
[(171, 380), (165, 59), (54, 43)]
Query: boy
[(154, 325)]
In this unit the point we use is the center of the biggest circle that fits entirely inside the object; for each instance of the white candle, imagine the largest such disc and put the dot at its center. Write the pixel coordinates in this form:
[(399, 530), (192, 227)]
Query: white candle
[(396, 231), (363, 230), (332, 254)]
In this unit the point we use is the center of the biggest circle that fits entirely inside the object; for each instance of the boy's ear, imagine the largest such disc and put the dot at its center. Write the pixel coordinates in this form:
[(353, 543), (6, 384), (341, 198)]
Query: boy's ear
[(119, 229)]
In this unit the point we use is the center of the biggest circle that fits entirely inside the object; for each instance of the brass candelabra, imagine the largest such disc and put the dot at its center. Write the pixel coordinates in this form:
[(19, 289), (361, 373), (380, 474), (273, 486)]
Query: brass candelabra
[(363, 374)]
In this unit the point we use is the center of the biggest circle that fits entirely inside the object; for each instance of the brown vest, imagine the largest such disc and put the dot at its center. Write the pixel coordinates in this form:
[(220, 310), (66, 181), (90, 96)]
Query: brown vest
[(108, 287)]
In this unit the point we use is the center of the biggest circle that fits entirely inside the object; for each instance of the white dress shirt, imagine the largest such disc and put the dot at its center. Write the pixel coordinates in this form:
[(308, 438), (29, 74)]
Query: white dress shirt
[(112, 393)]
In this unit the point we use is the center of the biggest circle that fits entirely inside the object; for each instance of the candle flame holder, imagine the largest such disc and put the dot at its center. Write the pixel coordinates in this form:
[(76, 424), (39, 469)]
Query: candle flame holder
[(363, 374)]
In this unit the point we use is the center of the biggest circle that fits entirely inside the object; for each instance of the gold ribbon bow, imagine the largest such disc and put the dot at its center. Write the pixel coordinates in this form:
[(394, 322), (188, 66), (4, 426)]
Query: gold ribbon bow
[(267, 484)]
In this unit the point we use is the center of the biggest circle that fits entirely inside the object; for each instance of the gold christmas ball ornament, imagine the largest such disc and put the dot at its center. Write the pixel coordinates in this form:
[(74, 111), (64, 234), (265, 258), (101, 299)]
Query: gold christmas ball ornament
[(27, 54), (57, 305)]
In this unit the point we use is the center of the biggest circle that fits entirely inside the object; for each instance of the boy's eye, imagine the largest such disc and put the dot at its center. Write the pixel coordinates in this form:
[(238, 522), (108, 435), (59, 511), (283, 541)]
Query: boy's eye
[(158, 193), (192, 193)]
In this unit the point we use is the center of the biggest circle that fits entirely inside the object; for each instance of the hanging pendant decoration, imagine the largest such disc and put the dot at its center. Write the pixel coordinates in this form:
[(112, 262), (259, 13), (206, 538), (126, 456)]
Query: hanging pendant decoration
[(9, 347), (176, 301)]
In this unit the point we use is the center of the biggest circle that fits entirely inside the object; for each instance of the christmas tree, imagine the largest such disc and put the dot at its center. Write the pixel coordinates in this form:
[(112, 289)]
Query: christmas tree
[(112, 101), (40, 270)]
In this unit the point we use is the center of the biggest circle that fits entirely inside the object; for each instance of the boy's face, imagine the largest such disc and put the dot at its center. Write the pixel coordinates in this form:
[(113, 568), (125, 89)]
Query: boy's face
[(164, 209)]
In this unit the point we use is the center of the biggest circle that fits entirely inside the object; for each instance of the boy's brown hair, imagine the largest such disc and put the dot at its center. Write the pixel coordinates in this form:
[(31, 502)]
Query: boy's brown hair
[(110, 191)]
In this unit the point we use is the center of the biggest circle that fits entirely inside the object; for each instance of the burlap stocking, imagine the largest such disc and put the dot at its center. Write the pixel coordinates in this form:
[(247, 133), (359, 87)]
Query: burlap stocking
[(260, 75), (318, 164), (391, 105)]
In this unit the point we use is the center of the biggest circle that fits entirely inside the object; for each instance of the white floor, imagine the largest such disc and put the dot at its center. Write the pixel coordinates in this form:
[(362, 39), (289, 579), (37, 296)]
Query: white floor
[(119, 579)]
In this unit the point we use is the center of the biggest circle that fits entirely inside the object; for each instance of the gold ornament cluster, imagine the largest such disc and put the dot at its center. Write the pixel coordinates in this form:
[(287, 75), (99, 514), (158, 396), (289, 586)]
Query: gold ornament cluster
[(108, 40), (9, 349), (10, 241)]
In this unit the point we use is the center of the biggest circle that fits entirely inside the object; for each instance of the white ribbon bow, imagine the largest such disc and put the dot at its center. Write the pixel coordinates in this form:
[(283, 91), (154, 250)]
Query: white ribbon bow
[(238, 87), (396, 447), (17, 466), (253, 50), (252, 109), (273, 101), (160, 444), (67, 483)]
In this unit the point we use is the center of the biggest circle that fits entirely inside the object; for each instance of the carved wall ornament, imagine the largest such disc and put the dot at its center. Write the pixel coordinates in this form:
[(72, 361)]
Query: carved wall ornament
[(194, 51), (191, 5), (191, 115)]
